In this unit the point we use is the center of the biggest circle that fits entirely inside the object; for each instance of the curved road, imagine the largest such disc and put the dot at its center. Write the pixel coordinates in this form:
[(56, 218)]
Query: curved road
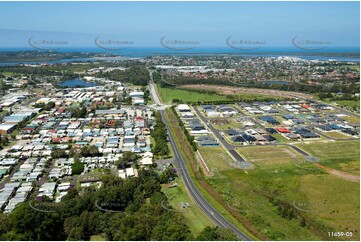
[(206, 207), (181, 167)]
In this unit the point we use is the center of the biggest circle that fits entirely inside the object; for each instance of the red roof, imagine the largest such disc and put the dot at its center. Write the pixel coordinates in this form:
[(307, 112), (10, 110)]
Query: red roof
[(305, 106), (283, 130), (57, 139), (60, 110)]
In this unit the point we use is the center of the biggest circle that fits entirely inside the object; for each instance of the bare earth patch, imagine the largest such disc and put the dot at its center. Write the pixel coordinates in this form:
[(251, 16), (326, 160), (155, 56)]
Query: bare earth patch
[(341, 174)]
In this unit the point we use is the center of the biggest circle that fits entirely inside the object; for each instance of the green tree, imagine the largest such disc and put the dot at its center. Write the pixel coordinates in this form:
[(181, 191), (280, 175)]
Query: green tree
[(127, 157), (77, 168), (90, 150), (58, 153), (216, 234), (36, 225)]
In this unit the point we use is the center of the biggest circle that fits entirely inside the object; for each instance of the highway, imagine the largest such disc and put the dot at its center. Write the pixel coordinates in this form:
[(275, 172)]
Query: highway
[(182, 170), (153, 90), (206, 207)]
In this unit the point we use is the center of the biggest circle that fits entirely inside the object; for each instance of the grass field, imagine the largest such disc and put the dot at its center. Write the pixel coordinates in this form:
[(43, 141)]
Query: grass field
[(98, 238), (231, 123), (246, 93), (8, 74), (336, 135), (264, 199), (217, 158), (349, 103), (335, 202), (250, 194), (352, 119), (340, 155), (352, 67), (168, 94), (269, 155), (194, 216), (280, 138)]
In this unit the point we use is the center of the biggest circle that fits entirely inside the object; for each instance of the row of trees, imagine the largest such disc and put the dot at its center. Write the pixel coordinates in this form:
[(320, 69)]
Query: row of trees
[(190, 138), (345, 86), (119, 210), (159, 133)]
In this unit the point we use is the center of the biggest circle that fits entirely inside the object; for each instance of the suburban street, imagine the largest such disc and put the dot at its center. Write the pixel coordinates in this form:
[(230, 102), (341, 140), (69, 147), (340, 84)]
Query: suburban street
[(228, 146), (232, 148)]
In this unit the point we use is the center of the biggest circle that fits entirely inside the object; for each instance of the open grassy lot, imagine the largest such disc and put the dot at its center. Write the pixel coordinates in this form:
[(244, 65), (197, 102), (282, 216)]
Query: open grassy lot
[(268, 155), (352, 67), (280, 138), (340, 155), (335, 202), (7, 74), (195, 217), (277, 202), (168, 94), (217, 158), (349, 103), (316, 199), (223, 123), (98, 238), (352, 119), (246, 93), (336, 135)]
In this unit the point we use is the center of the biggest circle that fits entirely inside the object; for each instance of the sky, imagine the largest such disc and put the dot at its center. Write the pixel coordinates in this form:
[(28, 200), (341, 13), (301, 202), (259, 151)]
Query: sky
[(206, 24)]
